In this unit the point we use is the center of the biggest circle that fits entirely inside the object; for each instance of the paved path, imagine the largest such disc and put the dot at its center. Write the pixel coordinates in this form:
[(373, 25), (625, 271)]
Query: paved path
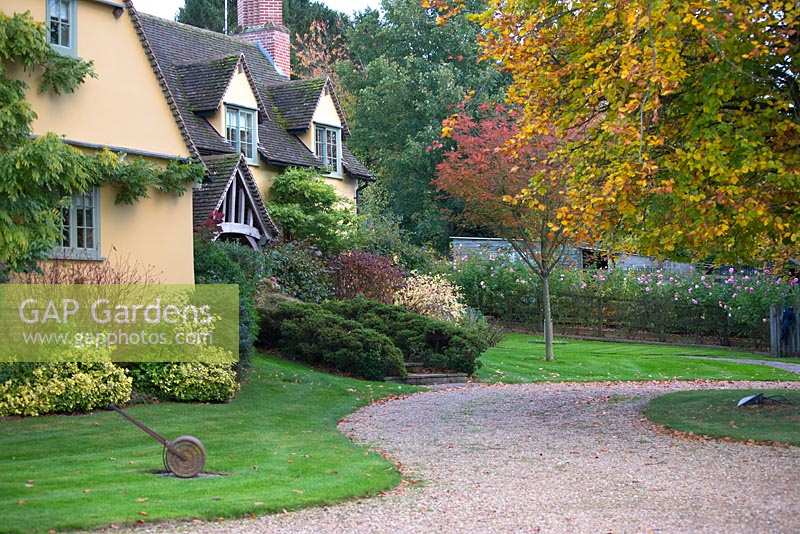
[(552, 458)]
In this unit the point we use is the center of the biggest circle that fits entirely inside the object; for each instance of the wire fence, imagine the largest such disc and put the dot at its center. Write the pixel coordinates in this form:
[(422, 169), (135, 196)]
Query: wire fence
[(641, 319)]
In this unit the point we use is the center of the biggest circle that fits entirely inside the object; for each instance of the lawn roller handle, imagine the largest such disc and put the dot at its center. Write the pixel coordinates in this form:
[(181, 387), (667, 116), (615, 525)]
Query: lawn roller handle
[(152, 433)]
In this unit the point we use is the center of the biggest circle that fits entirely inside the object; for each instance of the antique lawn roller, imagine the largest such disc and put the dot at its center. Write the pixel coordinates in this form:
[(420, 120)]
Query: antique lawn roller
[(184, 456)]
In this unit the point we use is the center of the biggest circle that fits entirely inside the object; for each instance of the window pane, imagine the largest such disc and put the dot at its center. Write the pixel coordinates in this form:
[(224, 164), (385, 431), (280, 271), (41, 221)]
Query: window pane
[(321, 144), (54, 32), (247, 146), (64, 10), (89, 219), (81, 240), (333, 149), (232, 122), (65, 227), (79, 214), (64, 35), (248, 142)]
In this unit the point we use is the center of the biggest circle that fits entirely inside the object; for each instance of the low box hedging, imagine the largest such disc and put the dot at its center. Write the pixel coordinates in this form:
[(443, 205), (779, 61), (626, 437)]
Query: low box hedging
[(39, 389), (186, 382), (312, 334), (435, 344)]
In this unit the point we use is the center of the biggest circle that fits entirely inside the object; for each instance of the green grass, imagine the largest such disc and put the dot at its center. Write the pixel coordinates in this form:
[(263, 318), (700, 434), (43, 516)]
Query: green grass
[(519, 358), (714, 413), (277, 445)]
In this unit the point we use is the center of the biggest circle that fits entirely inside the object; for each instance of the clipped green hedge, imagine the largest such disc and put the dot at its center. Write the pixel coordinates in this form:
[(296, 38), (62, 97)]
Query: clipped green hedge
[(436, 344), (312, 334), (186, 381), (39, 389)]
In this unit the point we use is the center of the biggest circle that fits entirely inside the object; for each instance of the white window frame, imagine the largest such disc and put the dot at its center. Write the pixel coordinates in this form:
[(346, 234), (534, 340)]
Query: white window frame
[(70, 250), (324, 129), (72, 48), (239, 111)]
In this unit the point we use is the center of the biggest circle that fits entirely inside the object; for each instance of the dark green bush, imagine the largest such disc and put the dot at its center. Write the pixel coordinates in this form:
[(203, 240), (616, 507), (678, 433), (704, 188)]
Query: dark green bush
[(230, 263), (300, 272), (254, 263), (436, 344), (309, 333)]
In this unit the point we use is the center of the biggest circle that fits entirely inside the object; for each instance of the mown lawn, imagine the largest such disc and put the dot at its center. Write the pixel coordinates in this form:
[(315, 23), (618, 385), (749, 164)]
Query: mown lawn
[(519, 358), (714, 413), (276, 444)]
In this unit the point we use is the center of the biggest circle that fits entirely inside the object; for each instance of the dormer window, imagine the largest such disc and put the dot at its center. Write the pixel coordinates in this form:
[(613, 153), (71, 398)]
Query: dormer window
[(241, 131), (329, 147), (61, 16)]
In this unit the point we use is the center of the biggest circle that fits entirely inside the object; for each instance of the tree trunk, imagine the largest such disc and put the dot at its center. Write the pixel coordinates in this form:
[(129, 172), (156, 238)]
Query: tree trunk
[(549, 355)]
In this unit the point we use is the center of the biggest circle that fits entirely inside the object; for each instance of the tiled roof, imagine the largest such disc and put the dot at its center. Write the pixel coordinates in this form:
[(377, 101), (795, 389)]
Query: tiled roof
[(191, 61), (206, 199), (296, 101), (353, 166), (204, 83), (221, 169)]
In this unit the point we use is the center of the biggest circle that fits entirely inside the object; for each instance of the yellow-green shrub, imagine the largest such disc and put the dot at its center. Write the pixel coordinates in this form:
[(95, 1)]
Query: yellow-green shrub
[(38, 389), (186, 381)]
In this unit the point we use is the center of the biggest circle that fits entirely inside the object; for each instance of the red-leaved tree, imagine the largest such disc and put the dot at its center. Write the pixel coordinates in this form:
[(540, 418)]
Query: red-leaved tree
[(511, 189)]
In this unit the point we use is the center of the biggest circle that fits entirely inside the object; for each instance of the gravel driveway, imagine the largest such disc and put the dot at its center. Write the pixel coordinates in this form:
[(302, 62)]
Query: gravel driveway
[(552, 458)]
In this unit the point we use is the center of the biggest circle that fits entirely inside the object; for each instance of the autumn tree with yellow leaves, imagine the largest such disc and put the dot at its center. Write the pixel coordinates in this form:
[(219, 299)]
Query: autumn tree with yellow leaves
[(690, 111)]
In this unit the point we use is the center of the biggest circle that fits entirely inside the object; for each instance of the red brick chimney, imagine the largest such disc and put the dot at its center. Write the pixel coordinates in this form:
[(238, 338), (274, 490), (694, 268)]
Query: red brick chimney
[(261, 22)]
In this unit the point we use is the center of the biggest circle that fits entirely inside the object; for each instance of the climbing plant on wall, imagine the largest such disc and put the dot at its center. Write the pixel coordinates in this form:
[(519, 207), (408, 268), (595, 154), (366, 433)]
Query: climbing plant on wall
[(39, 174)]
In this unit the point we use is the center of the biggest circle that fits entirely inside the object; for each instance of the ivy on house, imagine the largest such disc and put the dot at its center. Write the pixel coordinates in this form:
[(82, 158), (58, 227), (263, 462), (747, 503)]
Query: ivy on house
[(133, 178), (39, 174)]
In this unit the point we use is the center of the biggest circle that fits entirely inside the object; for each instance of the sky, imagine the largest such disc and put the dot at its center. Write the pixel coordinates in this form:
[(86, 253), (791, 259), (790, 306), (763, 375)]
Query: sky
[(168, 8)]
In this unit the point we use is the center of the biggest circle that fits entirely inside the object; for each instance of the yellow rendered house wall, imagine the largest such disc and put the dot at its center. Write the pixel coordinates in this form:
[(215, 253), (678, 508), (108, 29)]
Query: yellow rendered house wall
[(124, 107), (155, 235), (264, 175), (239, 93)]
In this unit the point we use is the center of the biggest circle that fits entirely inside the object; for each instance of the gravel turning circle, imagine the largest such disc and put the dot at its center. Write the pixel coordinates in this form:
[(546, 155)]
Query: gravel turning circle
[(552, 458)]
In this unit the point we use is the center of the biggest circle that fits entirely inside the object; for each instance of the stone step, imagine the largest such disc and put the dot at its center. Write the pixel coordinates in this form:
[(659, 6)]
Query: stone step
[(429, 379)]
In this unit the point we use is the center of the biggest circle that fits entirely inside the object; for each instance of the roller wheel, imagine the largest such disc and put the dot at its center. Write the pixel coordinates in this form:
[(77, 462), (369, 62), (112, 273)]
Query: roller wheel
[(194, 457)]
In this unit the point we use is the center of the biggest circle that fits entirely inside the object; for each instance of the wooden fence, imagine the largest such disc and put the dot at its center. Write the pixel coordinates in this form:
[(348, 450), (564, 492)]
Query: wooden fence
[(780, 344)]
